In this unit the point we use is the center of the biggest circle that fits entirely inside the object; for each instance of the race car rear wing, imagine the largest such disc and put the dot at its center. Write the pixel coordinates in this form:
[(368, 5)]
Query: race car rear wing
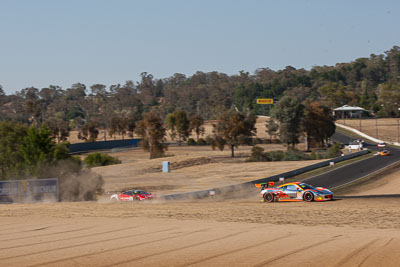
[(264, 185)]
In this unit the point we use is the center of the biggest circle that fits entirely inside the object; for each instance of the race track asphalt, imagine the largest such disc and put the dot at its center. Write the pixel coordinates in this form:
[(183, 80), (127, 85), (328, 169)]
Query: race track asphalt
[(353, 171)]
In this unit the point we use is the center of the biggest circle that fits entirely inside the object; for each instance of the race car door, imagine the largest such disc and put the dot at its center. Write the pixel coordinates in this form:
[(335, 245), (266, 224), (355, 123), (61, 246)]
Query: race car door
[(291, 191)]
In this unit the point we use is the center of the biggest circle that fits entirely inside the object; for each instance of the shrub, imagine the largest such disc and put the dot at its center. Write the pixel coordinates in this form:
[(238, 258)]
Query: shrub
[(99, 159), (275, 155), (313, 155), (257, 154), (201, 142), (209, 140), (318, 155), (334, 150), (191, 142), (295, 155), (257, 141)]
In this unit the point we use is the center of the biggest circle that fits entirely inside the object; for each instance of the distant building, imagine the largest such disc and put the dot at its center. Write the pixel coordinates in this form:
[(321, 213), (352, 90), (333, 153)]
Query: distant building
[(347, 111)]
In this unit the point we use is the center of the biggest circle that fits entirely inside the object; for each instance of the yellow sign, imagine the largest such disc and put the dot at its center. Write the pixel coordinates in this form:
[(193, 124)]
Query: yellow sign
[(265, 101)]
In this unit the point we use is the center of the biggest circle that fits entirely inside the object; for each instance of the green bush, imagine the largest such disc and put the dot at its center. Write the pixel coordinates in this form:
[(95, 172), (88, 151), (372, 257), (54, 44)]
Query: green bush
[(201, 142), (334, 150), (275, 155), (313, 155), (257, 141), (258, 154), (209, 140), (191, 142), (276, 141), (295, 155), (99, 159)]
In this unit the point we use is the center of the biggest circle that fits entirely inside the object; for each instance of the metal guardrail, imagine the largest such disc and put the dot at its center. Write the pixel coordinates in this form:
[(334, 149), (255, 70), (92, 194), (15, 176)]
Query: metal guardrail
[(236, 188)]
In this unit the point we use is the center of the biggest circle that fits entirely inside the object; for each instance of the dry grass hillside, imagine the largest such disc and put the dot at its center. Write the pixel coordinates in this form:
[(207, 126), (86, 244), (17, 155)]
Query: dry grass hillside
[(384, 129), (260, 126)]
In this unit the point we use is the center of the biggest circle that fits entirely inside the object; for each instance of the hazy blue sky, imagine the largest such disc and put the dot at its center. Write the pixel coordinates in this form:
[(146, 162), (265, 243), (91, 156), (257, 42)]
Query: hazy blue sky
[(61, 42)]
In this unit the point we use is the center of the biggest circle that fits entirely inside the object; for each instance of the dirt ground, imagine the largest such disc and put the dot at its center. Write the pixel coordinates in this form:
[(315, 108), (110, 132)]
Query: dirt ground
[(348, 232)]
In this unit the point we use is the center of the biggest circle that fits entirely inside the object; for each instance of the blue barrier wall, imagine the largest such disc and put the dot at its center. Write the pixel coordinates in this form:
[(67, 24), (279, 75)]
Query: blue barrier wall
[(100, 145)]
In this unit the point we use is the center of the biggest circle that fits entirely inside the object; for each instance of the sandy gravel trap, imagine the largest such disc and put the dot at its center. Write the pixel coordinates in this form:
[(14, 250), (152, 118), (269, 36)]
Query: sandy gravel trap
[(348, 232)]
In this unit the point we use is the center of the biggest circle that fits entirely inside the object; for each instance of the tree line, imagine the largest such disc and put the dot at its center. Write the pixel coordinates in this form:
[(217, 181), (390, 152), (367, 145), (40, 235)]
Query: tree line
[(290, 119), (101, 112), (372, 83)]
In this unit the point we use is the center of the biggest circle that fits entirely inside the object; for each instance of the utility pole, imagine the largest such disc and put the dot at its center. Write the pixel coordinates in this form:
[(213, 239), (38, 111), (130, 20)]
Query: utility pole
[(360, 120), (398, 121), (376, 127)]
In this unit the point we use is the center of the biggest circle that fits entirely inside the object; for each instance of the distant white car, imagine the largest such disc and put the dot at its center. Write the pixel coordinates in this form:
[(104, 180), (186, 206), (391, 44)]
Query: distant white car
[(355, 145), (383, 144)]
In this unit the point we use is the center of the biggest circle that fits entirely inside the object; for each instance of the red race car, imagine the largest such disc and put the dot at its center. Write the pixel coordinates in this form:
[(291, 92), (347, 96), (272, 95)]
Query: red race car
[(131, 195)]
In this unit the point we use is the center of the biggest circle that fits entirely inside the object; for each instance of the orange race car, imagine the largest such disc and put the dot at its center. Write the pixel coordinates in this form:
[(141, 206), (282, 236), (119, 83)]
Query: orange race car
[(297, 191), (384, 153)]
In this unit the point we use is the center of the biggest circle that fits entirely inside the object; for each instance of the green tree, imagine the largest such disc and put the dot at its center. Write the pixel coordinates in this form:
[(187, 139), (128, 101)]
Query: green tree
[(182, 125), (178, 125), (152, 133), (32, 153), (318, 123), (59, 126), (11, 136), (89, 131), (171, 124), (39, 151), (288, 112), (389, 99), (131, 124), (272, 128), (196, 124), (233, 129), (335, 94), (113, 126)]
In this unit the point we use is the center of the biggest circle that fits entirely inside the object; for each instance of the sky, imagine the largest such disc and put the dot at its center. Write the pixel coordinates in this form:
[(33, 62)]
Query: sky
[(58, 42)]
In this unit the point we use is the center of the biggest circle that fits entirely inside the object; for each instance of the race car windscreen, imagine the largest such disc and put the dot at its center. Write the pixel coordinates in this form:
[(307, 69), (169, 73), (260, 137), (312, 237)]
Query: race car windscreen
[(305, 186)]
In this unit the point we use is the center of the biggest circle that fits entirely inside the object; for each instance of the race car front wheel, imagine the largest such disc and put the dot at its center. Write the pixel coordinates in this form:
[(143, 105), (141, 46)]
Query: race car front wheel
[(308, 196), (269, 197)]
